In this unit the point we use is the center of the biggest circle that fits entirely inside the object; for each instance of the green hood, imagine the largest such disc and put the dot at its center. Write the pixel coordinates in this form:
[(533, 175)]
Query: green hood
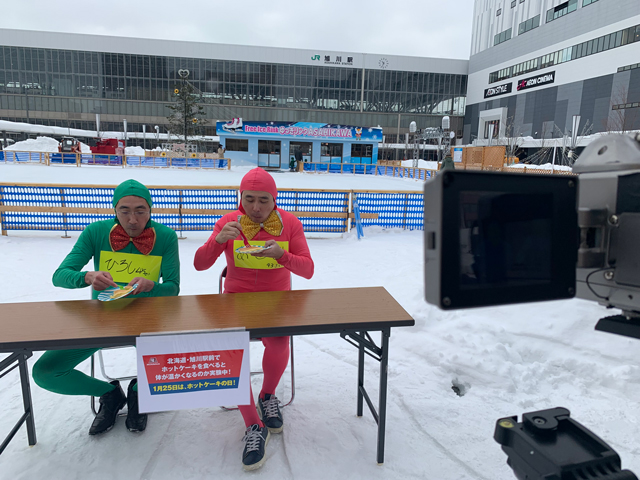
[(131, 187)]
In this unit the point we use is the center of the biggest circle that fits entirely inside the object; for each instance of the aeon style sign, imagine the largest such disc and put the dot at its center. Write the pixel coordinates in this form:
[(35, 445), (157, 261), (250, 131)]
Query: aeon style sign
[(497, 90), (536, 81)]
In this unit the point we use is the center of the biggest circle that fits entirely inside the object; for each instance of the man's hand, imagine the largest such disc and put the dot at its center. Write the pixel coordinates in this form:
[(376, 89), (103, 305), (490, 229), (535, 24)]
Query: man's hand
[(274, 252), (144, 285), (230, 231), (99, 280)]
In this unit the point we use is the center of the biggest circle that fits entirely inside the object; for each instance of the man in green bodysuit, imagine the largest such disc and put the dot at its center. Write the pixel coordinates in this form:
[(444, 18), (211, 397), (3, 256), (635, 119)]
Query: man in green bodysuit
[(127, 250)]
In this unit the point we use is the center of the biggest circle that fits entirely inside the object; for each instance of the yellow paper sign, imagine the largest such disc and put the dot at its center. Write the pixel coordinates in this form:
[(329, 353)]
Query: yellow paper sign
[(124, 267), (246, 260)]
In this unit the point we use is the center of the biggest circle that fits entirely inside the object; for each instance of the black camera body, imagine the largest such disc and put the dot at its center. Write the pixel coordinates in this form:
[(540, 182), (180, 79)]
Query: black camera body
[(500, 238)]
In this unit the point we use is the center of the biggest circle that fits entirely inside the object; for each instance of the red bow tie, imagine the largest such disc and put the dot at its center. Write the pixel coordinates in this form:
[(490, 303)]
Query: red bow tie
[(118, 239)]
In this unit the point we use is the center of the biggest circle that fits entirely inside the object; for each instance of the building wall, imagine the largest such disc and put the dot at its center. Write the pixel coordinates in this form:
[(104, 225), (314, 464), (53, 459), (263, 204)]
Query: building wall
[(44, 77), (592, 76)]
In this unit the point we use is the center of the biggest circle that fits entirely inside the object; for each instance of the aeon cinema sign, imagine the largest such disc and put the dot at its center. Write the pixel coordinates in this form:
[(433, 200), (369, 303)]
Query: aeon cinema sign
[(544, 79)]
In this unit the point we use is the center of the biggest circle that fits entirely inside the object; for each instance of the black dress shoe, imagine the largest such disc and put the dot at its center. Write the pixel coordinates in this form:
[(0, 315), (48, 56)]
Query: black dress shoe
[(110, 404), (136, 421)]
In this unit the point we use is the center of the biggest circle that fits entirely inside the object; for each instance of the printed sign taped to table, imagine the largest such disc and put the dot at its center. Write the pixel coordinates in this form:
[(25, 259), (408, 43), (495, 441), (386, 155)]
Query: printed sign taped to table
[(124, 267), (184, 371)]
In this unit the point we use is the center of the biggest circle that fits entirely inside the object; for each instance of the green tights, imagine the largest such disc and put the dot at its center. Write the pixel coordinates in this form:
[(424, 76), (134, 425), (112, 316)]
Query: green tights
[(55, 371)]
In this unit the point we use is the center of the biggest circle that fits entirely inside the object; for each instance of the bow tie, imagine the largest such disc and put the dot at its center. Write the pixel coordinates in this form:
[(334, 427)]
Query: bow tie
[(272, 225), (119, 238)]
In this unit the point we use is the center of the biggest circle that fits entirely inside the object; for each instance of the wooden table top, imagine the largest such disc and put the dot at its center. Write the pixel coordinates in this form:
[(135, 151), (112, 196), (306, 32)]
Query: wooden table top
[(95, 324)]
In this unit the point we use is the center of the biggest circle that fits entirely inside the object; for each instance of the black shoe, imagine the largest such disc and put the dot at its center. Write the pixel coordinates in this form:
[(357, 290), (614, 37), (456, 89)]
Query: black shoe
[(256, 440), (110, 404), (136, 421), (270, 414)]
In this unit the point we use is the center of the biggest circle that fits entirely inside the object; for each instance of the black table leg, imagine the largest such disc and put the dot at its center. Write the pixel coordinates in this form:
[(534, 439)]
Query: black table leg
[(20, 360), (360, 376), (382, 399), (363, 342), (26, 398)]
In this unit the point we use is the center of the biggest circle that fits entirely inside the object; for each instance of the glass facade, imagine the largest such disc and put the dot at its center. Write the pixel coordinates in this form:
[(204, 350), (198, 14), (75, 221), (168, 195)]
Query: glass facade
[(590, 47), (72, 85)]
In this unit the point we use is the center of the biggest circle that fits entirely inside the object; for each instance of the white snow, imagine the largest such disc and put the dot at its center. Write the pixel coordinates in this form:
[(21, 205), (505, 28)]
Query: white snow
[(134, 151), (42, 144), (510, 360), (39, 144), (428, 164), (546, 166)]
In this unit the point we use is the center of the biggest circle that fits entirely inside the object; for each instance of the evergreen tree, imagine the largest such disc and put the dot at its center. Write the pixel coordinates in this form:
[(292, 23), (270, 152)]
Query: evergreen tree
[(186, 117)]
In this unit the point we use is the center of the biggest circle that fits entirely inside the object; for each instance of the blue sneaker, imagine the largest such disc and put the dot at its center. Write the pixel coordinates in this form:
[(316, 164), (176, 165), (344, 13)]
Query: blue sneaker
[(256, 439), (270, 414)]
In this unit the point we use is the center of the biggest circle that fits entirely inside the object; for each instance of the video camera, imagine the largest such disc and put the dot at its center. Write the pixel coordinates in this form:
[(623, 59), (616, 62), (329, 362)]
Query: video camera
[(500, 238), (504, 238)]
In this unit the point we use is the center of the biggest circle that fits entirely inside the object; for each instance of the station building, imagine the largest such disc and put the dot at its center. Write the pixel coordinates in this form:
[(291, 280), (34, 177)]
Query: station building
[(536, 66), (64, 79)]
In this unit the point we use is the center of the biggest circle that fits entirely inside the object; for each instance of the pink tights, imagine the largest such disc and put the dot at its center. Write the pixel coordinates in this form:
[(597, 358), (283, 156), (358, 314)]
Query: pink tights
[(274, 362)]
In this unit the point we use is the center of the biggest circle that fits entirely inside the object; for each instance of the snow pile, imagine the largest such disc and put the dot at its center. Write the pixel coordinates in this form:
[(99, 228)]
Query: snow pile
[(42, 144), (137, 151), (39, 144), (546, 166), (428, 164)]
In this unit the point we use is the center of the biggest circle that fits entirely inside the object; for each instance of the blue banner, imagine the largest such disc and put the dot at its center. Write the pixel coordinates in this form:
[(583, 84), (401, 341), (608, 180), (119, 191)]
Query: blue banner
[(299, 130)]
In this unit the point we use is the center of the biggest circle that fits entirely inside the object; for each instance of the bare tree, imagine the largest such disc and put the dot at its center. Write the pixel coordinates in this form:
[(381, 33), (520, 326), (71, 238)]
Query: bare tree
[(512, 139), (545, 154)]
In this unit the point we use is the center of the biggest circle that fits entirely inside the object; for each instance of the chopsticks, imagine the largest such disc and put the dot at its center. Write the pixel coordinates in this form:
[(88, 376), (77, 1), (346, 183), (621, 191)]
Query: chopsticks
[(244, 239)]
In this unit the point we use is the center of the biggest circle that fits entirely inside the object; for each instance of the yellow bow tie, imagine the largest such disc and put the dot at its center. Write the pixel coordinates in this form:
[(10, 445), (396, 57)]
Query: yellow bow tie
[(272, 225)]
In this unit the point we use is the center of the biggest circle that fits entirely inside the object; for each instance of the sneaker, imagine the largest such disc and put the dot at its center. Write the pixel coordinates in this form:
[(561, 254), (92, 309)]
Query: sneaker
[(270, 414), (136, 421), (256, 439), (110, 404)]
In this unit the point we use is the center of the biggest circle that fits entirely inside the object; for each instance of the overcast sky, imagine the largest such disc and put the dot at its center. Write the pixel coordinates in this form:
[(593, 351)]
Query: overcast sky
[(424, 28)]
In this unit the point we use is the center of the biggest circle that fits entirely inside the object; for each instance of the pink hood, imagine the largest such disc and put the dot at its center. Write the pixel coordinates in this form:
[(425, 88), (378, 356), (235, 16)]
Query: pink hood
[(260, 181)]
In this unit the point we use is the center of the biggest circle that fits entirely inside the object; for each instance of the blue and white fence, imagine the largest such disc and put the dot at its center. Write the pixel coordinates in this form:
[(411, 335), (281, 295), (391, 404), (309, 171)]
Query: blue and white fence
[(73, 207), (80, 159)]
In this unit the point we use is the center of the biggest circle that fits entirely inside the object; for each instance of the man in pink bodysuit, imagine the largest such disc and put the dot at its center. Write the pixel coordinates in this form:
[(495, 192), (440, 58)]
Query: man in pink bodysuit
[(262, 223)]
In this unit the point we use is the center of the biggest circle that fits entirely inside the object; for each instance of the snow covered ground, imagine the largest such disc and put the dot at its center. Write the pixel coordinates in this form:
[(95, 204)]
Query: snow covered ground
[(508, 360)]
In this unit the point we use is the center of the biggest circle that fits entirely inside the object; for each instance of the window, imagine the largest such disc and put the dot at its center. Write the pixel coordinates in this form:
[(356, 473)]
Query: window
[(361, 150), (513, 3), (498, 12), (270, 147), (237, 145), (502, 37), (588, 2), (331, 150), (562, 10), (529, 25)]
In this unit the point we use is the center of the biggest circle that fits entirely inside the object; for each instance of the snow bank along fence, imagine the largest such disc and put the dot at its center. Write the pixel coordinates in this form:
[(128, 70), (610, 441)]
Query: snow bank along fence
[(157, 160), (193, 208), (418, 173), (363, 169)]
